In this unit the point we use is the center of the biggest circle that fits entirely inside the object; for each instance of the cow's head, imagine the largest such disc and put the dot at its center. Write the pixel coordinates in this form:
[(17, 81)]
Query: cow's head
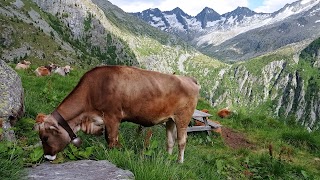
[(67, 69), (54, 138), (25, 62)]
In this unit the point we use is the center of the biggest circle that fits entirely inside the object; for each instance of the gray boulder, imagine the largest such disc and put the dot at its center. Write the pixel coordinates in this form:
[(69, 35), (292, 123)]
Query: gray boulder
[(79, 170), (11, 100)]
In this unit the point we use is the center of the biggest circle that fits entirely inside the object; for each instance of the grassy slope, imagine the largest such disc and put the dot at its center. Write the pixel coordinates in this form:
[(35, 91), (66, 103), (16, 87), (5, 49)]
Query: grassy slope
[(203, 154), (205, 158)]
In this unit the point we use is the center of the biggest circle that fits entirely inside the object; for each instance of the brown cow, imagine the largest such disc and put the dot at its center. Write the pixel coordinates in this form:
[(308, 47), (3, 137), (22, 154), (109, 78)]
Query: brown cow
[(224, 113), (43, 71), (108, 95), (23, 65), (46, 70)]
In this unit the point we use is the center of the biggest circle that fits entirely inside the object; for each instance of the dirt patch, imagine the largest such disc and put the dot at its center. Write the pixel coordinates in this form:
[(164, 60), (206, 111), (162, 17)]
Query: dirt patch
[(235, 140)]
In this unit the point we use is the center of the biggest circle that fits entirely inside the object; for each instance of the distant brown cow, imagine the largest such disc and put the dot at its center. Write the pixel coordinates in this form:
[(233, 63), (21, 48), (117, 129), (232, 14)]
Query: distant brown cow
[(224, 113), (43, 71), (108, 95), (23, 65)]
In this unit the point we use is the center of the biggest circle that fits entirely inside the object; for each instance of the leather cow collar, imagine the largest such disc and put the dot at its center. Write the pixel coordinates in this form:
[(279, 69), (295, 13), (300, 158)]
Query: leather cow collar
[(63, 123)]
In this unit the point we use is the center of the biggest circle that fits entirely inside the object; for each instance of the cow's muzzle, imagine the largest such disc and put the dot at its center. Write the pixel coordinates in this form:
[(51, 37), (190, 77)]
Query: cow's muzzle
[(50, 158)]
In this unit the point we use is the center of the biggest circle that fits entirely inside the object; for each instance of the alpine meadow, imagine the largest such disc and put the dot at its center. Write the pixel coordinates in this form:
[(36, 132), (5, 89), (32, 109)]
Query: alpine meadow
[(262, 67)]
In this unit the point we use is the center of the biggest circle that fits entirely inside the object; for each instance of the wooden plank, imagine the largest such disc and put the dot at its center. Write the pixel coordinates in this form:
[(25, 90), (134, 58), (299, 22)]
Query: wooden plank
[(198, 113), (199, 128), (210, 123)]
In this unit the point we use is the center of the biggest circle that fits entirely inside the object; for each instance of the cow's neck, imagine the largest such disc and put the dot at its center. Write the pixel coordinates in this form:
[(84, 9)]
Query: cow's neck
[(72, 106), (77, 107)]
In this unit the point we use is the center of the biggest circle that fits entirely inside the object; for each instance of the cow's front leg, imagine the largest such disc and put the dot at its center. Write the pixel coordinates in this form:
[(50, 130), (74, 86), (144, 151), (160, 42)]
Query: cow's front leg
[(112, 134), (106, 134)]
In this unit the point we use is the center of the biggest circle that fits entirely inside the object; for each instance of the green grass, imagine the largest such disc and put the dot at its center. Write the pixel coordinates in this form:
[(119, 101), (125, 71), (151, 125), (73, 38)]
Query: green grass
[(11, 161), (294, 151)]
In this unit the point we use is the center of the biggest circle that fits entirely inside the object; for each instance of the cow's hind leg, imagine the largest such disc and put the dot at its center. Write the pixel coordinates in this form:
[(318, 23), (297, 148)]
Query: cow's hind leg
[(171, 135), (182, 125), (182, 140)]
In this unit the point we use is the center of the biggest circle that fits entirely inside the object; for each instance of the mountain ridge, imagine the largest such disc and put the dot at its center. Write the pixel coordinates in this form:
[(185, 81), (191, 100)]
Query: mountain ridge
[(208, 35)]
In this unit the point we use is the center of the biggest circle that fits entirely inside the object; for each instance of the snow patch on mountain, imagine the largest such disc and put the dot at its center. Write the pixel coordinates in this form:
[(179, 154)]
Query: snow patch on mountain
[(305, 5), (193, 24), (305, 1), (173, 21), (315, 12), (212, 23), (219, 35), (157, 22), (220, 31)]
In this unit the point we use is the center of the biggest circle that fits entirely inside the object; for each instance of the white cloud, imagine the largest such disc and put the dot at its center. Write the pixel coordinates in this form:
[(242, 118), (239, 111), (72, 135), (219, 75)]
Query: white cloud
[(270, 6)]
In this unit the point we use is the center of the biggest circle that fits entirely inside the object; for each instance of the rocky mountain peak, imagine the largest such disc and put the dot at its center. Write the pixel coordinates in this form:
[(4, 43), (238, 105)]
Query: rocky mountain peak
[(155, 11), (149, 13), (181, 16), (207, 14), (240, 12), (178, 12)]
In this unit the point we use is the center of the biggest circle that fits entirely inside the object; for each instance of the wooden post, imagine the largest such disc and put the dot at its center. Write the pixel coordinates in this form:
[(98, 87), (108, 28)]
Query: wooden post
[(205, 119)]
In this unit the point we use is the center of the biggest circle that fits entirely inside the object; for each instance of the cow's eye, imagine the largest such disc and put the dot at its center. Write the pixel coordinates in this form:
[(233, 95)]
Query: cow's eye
[(44, 139)]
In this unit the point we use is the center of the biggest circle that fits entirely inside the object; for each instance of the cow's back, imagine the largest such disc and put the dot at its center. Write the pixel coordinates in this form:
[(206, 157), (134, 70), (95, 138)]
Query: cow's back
[(138, 94)]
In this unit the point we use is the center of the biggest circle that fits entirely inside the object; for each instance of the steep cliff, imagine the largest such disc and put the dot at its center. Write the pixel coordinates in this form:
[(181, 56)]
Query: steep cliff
[(283, 83)]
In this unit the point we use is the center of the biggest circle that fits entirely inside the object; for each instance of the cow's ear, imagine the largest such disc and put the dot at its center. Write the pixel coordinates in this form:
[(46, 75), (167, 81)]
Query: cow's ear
[(40, 118), (39, 121)]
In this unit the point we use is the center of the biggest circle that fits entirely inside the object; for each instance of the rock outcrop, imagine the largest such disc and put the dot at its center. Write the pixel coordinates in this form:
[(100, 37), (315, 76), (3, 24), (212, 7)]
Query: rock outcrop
[(11, 99), (79, 170)]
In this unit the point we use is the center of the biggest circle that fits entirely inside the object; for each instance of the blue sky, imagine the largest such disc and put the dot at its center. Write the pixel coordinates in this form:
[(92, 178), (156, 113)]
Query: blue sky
[(193, 7), (253, 4)]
